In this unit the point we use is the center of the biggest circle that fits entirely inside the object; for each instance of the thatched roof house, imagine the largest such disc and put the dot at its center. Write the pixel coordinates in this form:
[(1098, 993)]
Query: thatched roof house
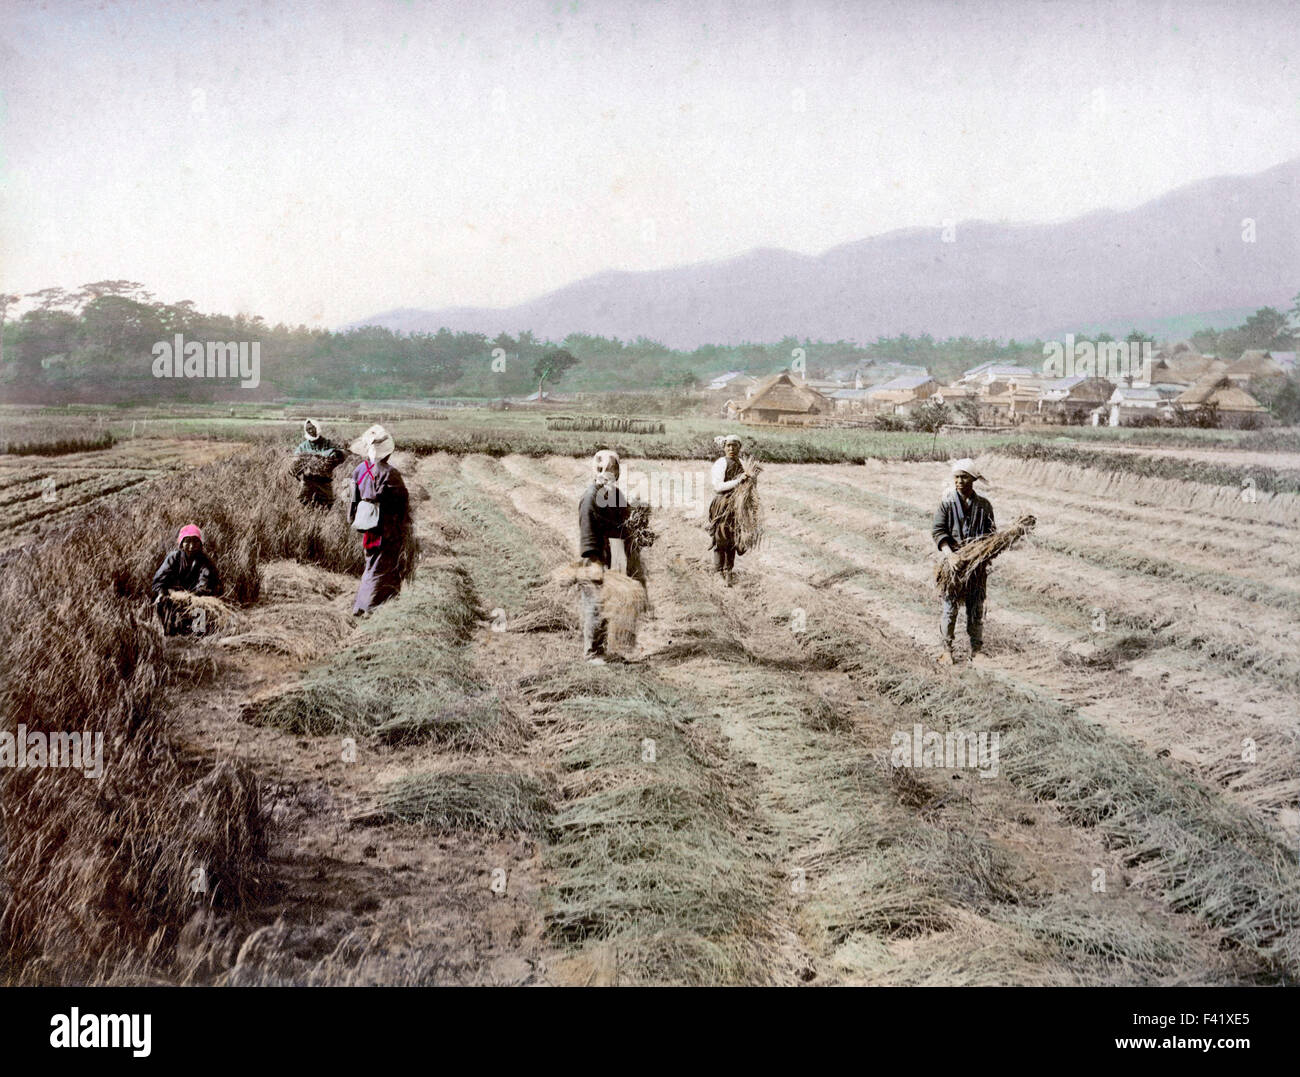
[(781, 397), (1164, 373), (1218, 390), (1254, 365), (1191, 367)]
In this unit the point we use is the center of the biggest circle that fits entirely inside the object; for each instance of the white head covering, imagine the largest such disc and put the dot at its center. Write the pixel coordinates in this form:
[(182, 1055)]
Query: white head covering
[(375, 444), (313, 425), (966, 466), (605, 466), (723, 440)]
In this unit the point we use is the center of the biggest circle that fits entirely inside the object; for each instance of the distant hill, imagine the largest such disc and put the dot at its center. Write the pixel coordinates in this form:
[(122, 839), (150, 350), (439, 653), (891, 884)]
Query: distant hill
[(1181, 252)]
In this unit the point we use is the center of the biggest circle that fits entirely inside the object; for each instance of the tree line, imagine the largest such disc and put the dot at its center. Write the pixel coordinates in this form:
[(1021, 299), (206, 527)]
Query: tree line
[(96, 343)]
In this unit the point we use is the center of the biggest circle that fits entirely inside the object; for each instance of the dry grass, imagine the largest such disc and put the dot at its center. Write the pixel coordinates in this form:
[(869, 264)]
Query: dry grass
[(466, 800), (101, 875)]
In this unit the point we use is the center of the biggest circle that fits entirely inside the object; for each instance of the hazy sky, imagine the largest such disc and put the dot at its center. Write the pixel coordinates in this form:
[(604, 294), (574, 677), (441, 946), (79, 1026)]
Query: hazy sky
[(319, 162)]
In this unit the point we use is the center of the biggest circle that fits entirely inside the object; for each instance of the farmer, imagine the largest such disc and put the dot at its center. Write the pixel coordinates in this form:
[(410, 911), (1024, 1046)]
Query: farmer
[(186, 568), (379, 511), (728, 473), (317, 457), (963, 515), (602, 517)]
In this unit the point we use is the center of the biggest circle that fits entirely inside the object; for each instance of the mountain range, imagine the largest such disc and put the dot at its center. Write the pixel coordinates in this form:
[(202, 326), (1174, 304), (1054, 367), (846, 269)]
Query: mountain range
[(1226, 244)]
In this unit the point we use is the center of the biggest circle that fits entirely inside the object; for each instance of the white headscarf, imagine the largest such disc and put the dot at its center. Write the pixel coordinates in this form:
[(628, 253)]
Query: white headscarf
[(605, 467), (966, 466), (307, 426)]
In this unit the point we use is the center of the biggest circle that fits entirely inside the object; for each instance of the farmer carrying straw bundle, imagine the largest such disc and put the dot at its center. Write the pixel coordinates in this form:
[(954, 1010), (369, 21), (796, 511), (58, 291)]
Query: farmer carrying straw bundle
[(314, 462), (602, 523), (734, 520), (962, 516), (379, 509)]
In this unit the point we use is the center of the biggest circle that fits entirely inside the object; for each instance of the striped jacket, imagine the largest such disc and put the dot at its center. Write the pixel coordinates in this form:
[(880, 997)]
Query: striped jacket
[(957, 524)]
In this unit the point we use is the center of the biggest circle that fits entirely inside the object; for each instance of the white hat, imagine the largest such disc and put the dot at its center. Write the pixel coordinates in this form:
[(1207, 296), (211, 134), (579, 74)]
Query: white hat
[(307, 426), (377, 438), (965, 466)]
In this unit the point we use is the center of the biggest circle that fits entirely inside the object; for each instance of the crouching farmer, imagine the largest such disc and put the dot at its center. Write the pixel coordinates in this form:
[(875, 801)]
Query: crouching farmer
[(602, 519), (187, 568), (963, 515)]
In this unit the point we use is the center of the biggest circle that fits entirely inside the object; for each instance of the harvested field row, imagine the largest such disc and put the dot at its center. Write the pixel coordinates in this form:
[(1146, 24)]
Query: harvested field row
[(1277, 507), (862, 953), (1265, 480)]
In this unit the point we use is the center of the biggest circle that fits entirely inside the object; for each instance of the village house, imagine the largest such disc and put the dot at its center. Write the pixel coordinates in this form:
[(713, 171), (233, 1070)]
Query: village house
[(991, 373), (1233, 403), (951, 394), (852, 401), (783, 398), (899, 394), (1129, 402), (1008, 405), (1255, 366), (1072, 400)]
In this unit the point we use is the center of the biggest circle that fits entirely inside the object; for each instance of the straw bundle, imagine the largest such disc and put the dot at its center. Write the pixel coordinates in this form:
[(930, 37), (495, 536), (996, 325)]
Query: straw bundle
[(738, 513), (307, 465), (952, 579), (218, 615), (622, 599)]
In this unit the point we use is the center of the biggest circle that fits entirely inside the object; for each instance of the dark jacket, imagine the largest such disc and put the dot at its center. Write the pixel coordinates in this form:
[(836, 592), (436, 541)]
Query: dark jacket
[(957, 524), (602, 515), (196, 574), (382, 483)]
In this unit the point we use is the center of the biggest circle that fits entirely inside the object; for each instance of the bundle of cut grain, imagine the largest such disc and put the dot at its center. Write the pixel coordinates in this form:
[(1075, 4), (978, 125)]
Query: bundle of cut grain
[(953, 577), (307, 465), (207, 610), (622, 599), (737, 514)]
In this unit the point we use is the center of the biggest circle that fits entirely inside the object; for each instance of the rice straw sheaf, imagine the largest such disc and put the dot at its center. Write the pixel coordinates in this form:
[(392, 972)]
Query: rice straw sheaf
[(313, 465), (217, 615), (622, 599), (742, 505), (953, 578)]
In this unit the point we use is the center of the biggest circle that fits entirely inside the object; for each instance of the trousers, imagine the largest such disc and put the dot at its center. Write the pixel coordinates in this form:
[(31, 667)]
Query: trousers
[(594, 622), (973, 600)]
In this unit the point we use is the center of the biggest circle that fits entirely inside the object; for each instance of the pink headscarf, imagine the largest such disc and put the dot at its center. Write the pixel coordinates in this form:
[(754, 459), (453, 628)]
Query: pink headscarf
[(189, 531)]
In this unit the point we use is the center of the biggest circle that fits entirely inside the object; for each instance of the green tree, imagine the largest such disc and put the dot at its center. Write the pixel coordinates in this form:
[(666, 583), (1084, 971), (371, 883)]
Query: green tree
[(551, 367), (1264, 328)]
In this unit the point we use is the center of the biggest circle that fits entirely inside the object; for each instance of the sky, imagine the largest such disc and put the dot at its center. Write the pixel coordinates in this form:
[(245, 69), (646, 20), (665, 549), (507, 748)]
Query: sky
[(320, 162)]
